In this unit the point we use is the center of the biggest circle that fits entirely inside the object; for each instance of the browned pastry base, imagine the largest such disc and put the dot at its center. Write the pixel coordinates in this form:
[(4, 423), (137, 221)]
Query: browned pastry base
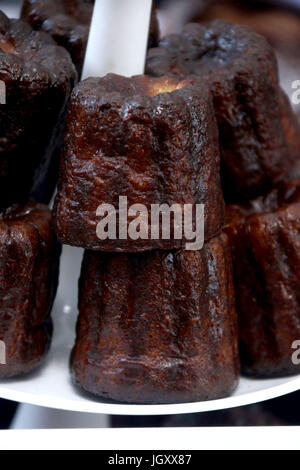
[(38, 76), (265, 237), (29, 255), (157, 327), (152, 140), (240, 67), (68, 22)]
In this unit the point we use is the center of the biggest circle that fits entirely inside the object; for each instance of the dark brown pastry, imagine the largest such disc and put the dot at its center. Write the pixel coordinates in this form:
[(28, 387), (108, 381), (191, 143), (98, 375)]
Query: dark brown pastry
[(241, 69), (265, 237), (29, 255), (68, 22), (38, 76), (157, 327), (152, 140), (274, 19), (290, 126)]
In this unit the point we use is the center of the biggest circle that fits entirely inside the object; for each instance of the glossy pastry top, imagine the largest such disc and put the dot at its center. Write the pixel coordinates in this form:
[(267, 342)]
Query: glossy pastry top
[(60, 16), (32, 58), (28, 218), (203, 49), (67, 21), (25, 212), (138, 86)]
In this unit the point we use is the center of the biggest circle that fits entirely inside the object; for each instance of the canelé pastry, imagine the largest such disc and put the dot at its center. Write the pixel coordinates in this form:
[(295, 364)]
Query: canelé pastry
[(274, 19), (29, 255), (241, 70), (290, 126), (157, 327), (265, 238), (151, 140), (68, 22), (38, 77)]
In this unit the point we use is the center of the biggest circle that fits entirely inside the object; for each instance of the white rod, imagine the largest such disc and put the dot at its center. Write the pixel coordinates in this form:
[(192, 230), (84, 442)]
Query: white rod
[(118, 38)]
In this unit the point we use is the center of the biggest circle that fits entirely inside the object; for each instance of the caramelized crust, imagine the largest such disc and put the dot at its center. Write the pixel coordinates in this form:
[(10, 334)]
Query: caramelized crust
[(29, 255), (38, 77), (265, 237), (157, 327), (124, 139), (257, 148)]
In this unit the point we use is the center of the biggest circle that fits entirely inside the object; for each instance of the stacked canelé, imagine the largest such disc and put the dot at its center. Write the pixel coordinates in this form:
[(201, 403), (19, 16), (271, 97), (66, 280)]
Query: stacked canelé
[(157, 320), (157, 323), (157, 308), (36, 80), (260, 155)]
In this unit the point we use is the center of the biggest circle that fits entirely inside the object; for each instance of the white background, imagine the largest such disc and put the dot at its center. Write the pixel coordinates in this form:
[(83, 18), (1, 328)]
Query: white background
[(252, 438)]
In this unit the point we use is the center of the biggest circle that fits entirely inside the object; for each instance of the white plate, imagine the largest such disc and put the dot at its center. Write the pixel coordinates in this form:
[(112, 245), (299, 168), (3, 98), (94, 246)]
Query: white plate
[(51, 386)]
